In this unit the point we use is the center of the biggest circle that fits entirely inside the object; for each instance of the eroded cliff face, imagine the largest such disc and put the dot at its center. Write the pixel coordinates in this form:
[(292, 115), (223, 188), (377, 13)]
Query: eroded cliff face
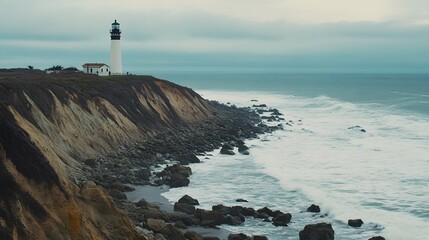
[(50, 123)]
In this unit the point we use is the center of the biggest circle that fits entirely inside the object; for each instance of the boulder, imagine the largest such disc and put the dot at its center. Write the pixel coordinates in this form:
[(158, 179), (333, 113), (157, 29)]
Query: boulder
[(121, 187), (240, 236), (266, 210), (180, 224), (377, 238), (183, 207), (260, 105), (221, 208), (209, 218), (211, 238), (146, 205), (319, 231), (282, 219), (188, 200), (227, 147), (262, 215), (242, 148), (355, 222), (245, 152), (175, 176), (191, 235), (185, 159), (241, 200), (226, 151), (177, 180), (248, 212), (143, 174), (171, 232), (233, 220), (313, 208), (258, 237), (188, 220), (156, 225), (159, 236)]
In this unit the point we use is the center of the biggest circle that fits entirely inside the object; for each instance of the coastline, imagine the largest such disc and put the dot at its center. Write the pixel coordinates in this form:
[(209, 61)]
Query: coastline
[(160, 159), (153, 194)]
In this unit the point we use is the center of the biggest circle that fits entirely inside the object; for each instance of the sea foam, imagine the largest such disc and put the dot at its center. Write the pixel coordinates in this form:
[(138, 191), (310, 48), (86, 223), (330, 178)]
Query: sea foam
[(354, 160)]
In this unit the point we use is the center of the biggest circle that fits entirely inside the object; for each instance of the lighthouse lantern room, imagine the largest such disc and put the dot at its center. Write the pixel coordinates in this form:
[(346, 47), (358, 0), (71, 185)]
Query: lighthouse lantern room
[(115, 49)]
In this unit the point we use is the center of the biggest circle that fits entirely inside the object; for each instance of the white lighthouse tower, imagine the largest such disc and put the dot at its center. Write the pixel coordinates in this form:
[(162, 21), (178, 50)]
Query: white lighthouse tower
[(115, 50)]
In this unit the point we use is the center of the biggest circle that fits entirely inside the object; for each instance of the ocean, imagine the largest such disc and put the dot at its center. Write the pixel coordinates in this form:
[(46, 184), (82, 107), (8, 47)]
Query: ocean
[(323, 156)]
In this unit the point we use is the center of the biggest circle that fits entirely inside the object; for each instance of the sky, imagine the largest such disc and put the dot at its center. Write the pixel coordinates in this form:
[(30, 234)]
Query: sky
[(356, 36)]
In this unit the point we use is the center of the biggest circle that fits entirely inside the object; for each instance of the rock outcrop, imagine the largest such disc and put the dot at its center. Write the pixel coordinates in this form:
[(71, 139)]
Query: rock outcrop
[(319, 231)]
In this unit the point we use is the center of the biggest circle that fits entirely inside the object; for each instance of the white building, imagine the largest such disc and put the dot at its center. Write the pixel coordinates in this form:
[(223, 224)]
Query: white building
[(96, 68)]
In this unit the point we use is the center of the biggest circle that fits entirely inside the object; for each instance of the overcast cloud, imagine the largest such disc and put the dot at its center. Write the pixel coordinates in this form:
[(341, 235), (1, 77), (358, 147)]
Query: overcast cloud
[(329, 35)]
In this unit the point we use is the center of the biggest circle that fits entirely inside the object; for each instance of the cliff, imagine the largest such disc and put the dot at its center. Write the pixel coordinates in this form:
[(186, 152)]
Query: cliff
[(51, 123)]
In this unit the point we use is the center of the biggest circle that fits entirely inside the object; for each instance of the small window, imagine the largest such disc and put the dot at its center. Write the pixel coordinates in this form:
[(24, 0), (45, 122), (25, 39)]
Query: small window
[(91, 70), (101, 70)]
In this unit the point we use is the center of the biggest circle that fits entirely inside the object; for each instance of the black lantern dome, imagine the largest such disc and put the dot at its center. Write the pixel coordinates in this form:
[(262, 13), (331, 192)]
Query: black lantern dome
[(115, 32)]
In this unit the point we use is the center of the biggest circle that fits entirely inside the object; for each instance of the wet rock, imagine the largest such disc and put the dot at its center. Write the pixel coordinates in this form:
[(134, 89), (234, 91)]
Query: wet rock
[(248, 212), (258, 237), (233, 220), (262, 215), (180, 224), (282, 219), (266, 210), (227, 147), (355, 222), (226, 151), (159, 236), (241, 200), (275, 112), (242, 148), (185, 159), (245, 152), (240, 236), (175, 176), (171, 232), (313, 208), (183, 207), (188, 200), (209, 218), (211, 238), (188, 220), (121, 187), (260, 105), (191, 235), (177, 180), (147, 205), (319, 231), (377, 238), (143, 174), (156, 225)]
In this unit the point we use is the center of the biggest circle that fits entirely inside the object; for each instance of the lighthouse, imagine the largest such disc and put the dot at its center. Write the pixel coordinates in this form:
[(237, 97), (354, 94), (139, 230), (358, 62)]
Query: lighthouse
[(115, 50)]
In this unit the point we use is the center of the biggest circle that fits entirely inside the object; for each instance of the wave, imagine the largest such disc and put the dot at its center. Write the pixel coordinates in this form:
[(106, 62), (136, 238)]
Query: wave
[(352, 174)]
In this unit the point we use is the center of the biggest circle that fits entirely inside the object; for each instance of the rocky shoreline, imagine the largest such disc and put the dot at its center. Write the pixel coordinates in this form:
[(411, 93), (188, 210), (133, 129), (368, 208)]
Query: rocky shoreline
[(164, 159)]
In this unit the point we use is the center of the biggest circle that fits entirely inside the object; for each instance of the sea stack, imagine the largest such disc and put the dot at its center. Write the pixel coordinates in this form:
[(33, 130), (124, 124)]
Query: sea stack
[(115, 50)]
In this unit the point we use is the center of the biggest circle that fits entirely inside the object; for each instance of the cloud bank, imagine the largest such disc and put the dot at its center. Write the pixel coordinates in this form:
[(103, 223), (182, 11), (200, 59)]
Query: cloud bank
[(384, 35)]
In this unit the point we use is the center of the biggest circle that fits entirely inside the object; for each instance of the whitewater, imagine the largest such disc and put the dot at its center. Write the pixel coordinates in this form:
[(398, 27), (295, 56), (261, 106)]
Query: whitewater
[(354, 159)]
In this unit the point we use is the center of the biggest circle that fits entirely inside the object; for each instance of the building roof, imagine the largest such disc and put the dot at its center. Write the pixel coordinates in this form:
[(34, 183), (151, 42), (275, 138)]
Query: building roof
[(97, 65)]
